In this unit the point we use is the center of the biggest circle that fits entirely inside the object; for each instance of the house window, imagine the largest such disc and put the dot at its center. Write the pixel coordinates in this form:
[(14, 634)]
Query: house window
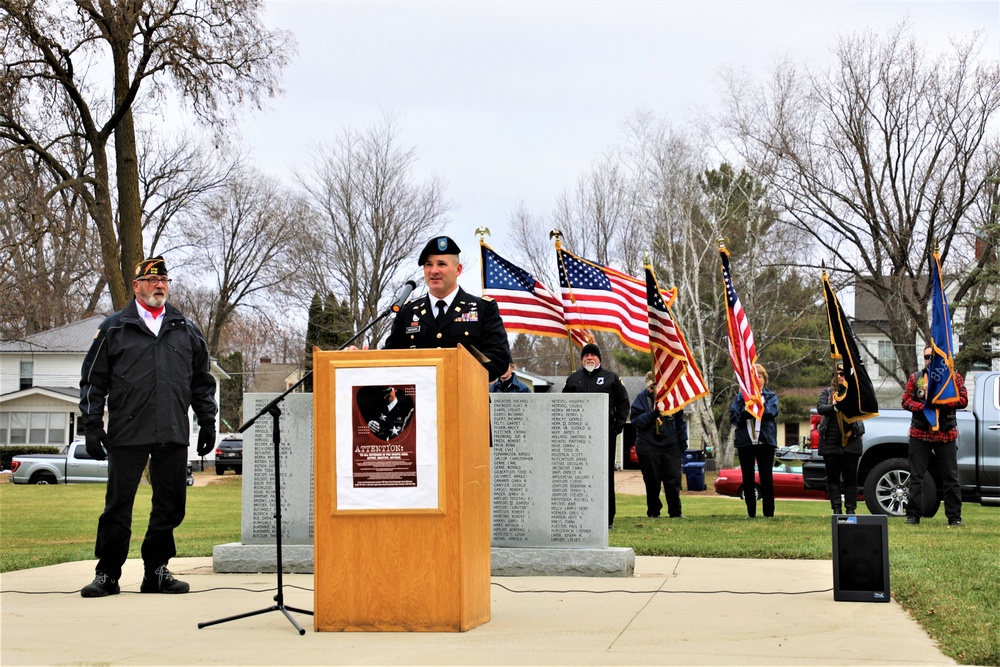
[(57, 428), (888, 362), (791, 434), (27, 371), (18, 428), (39, 422), (33, 428)]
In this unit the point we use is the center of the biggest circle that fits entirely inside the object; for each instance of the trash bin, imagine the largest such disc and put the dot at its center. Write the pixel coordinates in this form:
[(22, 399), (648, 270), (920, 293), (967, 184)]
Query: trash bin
[(695, 473), (693, 455)]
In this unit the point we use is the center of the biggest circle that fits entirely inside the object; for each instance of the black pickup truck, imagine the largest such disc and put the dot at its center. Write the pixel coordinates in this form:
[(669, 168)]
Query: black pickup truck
[(883, 472)]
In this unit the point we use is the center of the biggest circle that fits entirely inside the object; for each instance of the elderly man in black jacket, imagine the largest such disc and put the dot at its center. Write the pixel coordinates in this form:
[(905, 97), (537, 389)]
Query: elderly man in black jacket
[(596, 380), (148, 364)]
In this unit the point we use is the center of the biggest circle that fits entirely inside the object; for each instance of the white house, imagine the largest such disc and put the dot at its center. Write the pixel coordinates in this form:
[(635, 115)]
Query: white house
[(40, 386)]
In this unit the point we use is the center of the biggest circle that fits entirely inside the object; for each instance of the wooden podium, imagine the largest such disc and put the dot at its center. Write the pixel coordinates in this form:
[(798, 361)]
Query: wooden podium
[(402, 517)]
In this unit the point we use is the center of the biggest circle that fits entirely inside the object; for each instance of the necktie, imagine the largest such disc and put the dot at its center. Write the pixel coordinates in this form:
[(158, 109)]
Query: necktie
[(441, 305)]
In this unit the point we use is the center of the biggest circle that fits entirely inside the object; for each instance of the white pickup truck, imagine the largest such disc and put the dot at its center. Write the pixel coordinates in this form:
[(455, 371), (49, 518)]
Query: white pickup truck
[(72, 466)]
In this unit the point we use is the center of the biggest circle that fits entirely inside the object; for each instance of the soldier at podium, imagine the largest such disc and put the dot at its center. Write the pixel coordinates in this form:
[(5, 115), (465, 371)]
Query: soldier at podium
[(448, 315)]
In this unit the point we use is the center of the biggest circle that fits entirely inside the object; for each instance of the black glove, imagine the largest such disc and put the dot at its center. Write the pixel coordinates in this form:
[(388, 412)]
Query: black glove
[(206, 439), (97, 444)]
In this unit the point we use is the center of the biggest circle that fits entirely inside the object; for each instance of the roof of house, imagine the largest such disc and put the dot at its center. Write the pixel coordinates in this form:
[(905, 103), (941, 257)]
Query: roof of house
[(73, 337), (272, 378)]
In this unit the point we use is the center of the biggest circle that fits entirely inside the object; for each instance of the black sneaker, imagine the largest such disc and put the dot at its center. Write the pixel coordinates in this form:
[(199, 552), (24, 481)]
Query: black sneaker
[(912, 520), (955, 523), (161, 581), (101, 586)]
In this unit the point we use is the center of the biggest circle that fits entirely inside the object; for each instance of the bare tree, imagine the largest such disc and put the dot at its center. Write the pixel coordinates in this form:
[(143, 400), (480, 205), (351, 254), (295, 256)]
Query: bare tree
[(175, 174), (245, 239), (880, 159), (99, 58), (374, 216), (47, 250)]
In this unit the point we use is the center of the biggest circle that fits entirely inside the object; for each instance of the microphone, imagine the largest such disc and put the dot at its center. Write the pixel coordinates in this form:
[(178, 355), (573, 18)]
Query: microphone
[(404, 294)]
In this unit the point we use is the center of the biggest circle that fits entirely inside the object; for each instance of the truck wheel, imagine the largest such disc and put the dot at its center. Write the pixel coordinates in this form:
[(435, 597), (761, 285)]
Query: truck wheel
[(887, 489), (220, 470), (43, 478), (756, 493)]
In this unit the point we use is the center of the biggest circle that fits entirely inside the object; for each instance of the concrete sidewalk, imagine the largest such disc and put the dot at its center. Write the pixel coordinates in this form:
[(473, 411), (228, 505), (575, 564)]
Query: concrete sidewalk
[(675, 611)]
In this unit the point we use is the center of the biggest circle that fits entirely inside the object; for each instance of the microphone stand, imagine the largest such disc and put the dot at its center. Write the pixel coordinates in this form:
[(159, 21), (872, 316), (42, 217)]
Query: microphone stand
[(275, 412)]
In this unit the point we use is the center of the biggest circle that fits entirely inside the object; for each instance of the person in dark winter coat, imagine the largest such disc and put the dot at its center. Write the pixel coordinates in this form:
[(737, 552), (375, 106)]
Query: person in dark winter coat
[(594, 379), (148, 364), (660, 441), (840, 456), (753, 448)]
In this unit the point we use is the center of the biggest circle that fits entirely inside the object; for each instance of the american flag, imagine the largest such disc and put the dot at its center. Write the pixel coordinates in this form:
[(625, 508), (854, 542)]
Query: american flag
[(526, 305), (678, 380), (742, 351), (598, 297)]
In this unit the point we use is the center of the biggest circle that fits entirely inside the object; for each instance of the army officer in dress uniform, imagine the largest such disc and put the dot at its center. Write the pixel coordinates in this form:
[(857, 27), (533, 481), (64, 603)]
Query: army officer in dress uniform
[(448, 315)]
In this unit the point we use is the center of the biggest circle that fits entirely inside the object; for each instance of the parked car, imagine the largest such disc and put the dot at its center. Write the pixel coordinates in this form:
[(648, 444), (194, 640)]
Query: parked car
[(229, 455), (73, 465), (787, 483), (884, 472)]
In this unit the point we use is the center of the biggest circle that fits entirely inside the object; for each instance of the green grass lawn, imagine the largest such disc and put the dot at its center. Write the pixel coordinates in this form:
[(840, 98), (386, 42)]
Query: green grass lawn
[(946, 578)]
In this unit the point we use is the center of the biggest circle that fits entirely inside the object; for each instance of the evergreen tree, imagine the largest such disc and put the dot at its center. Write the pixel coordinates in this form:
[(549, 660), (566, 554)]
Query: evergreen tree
[(231, 392)]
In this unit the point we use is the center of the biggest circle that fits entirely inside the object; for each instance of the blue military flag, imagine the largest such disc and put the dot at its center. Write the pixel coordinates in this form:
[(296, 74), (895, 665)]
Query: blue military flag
[(941, 387)]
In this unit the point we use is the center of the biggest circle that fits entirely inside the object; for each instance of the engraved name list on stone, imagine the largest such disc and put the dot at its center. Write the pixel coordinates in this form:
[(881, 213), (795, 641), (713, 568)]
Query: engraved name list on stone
[(295, 452), (573, 485), (512, 463), (548, 485)]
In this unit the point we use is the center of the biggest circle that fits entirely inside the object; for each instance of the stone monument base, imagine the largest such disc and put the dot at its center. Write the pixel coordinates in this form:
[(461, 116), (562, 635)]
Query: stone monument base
[(504, 561), (251, 558), (541, 562)]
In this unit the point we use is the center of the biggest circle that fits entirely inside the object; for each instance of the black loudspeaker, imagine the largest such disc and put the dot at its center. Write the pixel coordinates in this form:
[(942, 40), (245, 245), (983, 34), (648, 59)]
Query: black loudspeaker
[(860, 558)]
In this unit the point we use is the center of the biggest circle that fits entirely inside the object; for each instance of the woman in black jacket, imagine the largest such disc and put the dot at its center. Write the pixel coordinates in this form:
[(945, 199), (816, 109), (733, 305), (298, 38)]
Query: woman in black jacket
[(840, 454)]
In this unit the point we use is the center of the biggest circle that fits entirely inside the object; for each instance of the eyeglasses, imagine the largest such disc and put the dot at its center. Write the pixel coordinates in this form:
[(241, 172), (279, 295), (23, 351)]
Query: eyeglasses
[(927, 356), (154, 280), (840, 374)]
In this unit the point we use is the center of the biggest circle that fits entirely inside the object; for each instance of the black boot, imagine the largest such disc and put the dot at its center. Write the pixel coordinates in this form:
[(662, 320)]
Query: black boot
[(836, 508)]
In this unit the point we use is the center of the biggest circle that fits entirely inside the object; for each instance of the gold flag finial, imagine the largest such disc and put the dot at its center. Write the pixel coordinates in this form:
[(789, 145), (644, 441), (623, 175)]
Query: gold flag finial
[(557, 235), (482, 232)]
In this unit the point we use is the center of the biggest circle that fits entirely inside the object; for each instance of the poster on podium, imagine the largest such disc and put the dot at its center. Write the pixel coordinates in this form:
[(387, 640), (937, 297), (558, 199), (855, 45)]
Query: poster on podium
[(387, 451)]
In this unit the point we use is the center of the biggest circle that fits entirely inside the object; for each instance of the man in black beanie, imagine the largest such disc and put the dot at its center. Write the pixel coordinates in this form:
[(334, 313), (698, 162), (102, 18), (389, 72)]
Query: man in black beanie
[(594, 379)]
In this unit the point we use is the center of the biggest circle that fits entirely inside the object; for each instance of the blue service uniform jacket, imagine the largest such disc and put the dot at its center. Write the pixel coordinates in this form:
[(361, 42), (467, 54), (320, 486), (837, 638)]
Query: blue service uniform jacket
[(471, 321)]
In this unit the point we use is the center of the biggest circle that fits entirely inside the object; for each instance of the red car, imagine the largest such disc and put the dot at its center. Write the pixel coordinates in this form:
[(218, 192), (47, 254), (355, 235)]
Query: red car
[(787, 483)]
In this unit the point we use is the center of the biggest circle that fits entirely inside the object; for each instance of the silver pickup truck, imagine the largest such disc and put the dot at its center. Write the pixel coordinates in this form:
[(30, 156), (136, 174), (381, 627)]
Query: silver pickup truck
[(883, 472), (72, 466)]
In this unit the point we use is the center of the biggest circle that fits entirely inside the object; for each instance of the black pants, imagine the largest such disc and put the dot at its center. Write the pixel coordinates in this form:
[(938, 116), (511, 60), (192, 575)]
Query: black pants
[(945, 454), (168, 477), (842, 466), (763, 456), (661, 466), (612, 451)]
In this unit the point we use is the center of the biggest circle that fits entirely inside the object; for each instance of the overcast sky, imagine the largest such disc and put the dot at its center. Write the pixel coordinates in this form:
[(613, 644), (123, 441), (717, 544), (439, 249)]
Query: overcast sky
[(513, 101)]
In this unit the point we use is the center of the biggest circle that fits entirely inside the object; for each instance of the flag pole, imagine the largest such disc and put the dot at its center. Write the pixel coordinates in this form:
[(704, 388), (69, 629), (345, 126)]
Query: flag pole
[(557, 235)]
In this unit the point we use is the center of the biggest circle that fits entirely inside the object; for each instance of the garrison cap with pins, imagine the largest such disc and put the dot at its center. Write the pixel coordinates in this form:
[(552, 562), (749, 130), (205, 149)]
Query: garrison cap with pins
[(153, 266), (440, 245)]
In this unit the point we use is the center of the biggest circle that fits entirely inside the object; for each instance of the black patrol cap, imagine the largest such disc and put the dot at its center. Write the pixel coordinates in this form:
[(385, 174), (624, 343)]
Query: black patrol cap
[(441, 245)]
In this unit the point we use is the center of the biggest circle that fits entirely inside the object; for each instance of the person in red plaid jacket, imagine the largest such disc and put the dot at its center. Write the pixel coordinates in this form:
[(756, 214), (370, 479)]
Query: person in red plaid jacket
[(925, 443)]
